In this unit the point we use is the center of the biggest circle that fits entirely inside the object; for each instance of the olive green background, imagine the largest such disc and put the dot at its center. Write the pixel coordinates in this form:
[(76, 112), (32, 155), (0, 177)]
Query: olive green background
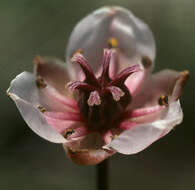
[(27, 162)]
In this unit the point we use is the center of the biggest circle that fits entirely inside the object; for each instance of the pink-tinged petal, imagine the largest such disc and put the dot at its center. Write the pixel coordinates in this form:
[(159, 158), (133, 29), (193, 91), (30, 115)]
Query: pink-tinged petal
[(141, 136), (53, 71), (145, 111), (71, 116), (56, 101), (35, 120), (164, 83), (147, 114), (62, 125), (131, 38), (87, 150), (25, 87)]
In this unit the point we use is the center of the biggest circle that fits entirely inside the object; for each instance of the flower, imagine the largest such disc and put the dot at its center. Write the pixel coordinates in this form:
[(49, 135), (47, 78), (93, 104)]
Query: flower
[(105, 99)]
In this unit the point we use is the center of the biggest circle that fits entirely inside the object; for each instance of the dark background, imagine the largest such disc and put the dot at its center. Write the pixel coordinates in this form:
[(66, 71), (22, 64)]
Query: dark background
[(27, 162)]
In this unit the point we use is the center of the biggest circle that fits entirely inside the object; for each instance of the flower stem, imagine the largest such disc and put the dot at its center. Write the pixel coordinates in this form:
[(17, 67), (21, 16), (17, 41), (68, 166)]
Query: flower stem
[(102, 175)]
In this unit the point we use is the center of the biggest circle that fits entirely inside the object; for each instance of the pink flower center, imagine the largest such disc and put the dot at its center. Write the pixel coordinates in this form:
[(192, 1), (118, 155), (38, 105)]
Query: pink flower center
[(102, 101)]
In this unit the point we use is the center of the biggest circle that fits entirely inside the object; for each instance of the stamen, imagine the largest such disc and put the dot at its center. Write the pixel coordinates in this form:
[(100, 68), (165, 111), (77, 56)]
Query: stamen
[(94, 99), (146, 61), (90, 77), (80, 86), (40, 82), (163, 100), (41, 108), (116, 92), (68, 133), (112, 43), (122, 76)]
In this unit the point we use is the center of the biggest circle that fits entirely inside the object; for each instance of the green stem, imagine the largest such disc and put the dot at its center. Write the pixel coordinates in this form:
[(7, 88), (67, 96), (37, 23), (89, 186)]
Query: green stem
[(103, 175)]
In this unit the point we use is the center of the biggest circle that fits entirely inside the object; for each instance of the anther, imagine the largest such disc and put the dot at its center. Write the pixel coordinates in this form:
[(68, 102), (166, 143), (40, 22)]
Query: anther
[(146, 61), (79, 51), (112, 43), (163, 100), (40, 82), (94, 99), (41, 108), (68, 133)]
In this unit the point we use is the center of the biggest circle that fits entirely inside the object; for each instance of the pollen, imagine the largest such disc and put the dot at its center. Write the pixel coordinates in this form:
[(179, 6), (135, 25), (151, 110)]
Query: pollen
[(112, 43), (40, 82), (163, 100), (41, 108)]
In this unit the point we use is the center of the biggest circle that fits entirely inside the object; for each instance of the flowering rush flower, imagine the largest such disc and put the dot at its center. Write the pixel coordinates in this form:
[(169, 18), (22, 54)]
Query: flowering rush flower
[(105, 99)]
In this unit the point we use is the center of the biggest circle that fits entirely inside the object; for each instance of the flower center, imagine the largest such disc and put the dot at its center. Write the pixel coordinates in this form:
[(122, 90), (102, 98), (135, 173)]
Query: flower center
[(102, 101)]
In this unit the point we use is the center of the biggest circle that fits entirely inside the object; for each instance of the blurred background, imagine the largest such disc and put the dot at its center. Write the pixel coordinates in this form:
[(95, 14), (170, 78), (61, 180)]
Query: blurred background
[(27, 162)]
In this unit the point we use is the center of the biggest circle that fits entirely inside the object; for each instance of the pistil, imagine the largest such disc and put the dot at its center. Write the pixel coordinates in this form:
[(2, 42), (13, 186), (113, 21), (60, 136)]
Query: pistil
[(102, 100)]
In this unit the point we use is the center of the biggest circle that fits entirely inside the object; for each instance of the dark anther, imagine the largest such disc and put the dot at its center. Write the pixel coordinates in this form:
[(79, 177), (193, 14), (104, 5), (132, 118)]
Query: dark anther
[(40, 82), (41, 108), (163, 100), (146, 61), (68, 133)]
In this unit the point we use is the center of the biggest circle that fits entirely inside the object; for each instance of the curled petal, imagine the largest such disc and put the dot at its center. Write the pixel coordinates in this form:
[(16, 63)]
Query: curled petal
[(129, 35), (141, 136)]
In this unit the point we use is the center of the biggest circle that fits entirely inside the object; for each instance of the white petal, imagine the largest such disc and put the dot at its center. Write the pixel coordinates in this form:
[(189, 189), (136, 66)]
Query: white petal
[(92, 34), (25, 94), (24, 86), (140, 137), (36, 121)]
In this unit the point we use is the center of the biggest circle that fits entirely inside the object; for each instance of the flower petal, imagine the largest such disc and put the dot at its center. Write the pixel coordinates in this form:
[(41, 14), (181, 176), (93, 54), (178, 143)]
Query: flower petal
[(141, 136), (87, 150), (36, 121), (92, 34), (25, 87), (164, 83), (53, 71), (29, 100), (88, 157)]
